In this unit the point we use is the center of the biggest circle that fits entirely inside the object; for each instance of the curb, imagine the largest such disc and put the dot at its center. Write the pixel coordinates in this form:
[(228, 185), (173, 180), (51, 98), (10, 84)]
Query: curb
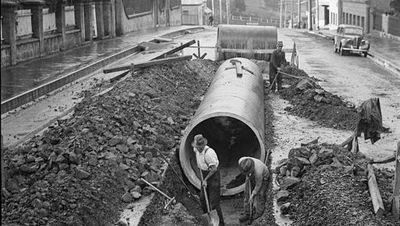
[(374, 56), (385, 63), (33, 94)]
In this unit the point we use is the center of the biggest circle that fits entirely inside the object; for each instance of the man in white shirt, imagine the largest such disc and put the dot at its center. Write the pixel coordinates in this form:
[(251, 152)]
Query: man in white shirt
[(207, 161), (257, 175)]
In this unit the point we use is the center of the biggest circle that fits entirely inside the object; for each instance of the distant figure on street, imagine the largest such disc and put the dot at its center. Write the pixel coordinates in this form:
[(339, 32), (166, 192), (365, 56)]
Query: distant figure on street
[(207, 161), (210, 20), (257, 175), (276, 63)]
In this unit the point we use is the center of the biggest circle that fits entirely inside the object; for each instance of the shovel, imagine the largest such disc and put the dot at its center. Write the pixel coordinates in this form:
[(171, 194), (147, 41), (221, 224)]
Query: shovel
[(211, 217), (270, 85), (250, 205)]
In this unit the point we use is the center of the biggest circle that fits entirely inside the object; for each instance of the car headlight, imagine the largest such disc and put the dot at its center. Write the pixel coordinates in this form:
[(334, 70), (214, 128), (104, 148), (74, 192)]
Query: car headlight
[(365, 44), (347, 42)]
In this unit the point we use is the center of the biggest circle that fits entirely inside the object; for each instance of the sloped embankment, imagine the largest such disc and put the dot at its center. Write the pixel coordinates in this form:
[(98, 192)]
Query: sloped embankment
[(309, 100), (86, 168), (331, 188)]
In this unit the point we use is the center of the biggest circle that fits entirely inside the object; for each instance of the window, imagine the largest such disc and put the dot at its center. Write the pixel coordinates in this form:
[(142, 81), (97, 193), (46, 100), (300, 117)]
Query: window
[(133, 7), (175, 3)]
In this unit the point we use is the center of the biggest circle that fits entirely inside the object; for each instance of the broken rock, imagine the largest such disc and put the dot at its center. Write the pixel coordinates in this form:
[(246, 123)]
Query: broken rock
[(282, 195), (127, 197), (81, 173), (136, 195), (289, 182)]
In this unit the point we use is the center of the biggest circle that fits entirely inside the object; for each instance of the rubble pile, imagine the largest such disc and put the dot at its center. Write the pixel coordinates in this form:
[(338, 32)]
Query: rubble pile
[(323, 184), (310, 101), (86, 168)]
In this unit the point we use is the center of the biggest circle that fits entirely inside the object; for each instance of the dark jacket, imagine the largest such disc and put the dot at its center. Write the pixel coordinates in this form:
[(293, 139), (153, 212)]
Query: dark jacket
[(277, 60)]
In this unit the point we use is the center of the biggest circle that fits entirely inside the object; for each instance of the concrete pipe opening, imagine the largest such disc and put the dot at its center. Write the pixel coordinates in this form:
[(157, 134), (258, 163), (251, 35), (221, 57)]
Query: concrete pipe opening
[(231, 117)]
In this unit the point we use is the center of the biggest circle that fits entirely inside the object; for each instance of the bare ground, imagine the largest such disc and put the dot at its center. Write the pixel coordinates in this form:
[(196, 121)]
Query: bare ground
[(84, 170)]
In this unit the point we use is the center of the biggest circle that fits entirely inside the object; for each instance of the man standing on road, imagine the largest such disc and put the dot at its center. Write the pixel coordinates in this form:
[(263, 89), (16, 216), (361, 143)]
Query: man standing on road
[(276, 63), (207, 161), (257, 175), (210, 20)]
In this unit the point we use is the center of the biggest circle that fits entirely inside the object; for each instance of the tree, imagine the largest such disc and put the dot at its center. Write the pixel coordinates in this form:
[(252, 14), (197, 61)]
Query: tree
[(240, 5), (395, 5)]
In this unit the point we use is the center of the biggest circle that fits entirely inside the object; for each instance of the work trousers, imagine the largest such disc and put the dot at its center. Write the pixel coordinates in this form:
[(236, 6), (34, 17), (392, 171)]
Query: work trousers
[(213, 193), (258, 201), (277, 83)]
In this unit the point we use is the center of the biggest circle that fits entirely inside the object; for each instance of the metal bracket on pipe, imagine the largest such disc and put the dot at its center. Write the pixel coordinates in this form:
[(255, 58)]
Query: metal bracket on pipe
[(238, 66)]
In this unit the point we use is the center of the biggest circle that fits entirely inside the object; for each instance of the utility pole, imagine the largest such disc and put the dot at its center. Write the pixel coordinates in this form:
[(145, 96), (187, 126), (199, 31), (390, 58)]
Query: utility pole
[(220, 11), (316, 14), (212, 8), (310, 15), (299, 12), (284, 14), (281, 15), (291, 13), (340, 12), (227, 11)]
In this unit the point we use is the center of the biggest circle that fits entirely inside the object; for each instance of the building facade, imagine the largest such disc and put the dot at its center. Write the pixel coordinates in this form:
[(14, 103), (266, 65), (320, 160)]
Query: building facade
[(29, 30), (369, 14), (193, 12)]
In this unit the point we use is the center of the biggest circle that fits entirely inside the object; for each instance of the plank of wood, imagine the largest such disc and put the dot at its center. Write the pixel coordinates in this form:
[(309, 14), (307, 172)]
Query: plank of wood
[(374, 192), (174, 50), (348, 140), (396, 187), (147, 64), (202, 47), (123, 74), (354, 147)]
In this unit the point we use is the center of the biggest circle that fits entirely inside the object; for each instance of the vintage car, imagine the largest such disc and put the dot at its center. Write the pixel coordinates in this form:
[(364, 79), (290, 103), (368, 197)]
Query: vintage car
[(350, 38)]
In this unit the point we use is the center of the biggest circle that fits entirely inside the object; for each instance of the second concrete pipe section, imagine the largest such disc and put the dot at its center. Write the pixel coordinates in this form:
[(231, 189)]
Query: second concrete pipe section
[(231, 117)]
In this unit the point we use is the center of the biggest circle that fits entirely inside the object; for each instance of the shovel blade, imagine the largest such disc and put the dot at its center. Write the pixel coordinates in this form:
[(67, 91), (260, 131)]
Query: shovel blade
[(210, 219)]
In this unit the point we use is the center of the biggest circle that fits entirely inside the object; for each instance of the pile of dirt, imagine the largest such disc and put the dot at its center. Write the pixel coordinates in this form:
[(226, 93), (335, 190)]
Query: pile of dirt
[(86, 168), (309, 100), (331, 187)]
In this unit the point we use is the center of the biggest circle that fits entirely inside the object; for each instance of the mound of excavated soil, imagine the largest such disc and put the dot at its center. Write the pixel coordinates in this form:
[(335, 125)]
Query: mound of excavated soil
[(334, 189), (86, 168), (310, 101)]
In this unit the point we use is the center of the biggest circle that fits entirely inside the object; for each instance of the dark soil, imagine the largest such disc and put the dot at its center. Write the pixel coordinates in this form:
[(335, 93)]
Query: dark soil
[(312, 102), (334, 189), (78, 171), (336, 192), (85, 169)]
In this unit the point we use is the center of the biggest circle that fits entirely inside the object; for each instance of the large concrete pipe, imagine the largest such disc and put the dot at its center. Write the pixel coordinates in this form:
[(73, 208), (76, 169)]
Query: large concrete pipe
[(231, 117)]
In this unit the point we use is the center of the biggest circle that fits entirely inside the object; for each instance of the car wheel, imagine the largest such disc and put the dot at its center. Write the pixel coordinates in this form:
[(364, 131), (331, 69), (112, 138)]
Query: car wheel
[(365, 54)]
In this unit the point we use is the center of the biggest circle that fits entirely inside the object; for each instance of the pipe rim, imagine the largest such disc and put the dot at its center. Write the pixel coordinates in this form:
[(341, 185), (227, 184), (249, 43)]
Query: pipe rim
[(191, 176)]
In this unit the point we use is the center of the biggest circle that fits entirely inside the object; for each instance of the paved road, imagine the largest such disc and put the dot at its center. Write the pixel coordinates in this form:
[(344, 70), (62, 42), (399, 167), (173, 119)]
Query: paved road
[(355, 79), (27, 75)]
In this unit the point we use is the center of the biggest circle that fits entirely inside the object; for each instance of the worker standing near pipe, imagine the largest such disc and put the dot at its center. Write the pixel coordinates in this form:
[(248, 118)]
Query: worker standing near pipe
[(207, 161), (278, 60), (257, 175)]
